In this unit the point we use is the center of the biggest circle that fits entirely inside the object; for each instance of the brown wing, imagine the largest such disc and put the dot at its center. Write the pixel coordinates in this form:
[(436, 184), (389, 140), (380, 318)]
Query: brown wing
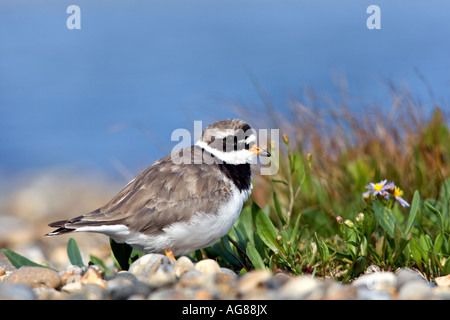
[(162, 194)]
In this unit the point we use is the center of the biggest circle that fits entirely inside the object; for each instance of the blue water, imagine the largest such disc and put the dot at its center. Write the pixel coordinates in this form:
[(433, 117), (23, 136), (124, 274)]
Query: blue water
[(109, 95)]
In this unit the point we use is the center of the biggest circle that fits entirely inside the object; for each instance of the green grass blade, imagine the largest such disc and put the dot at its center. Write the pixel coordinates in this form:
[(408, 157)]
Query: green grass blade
[(278, 209), (413, 212), (74, 253), (18, 260), (295, 234)]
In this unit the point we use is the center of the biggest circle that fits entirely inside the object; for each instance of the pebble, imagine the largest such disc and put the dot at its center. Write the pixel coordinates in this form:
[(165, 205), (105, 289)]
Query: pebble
[(207, 266), (192, 278), (386, 281), (156, 277), (252, 285), (405, 276), (124, 285), (183, 265), (35, 277), (91, 276), (303, 287), (443, 281), (18, 291), (156, 270), (415, 290)]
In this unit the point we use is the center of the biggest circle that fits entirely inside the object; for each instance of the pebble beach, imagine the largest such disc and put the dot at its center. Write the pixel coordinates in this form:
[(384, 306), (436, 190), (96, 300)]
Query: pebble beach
[(156, 277)]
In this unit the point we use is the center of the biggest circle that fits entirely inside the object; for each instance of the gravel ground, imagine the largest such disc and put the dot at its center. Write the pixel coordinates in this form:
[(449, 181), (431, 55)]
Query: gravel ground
[(156, 277)]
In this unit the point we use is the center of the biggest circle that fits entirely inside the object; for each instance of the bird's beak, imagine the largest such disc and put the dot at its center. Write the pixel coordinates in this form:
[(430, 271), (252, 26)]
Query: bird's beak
[(259, 151)]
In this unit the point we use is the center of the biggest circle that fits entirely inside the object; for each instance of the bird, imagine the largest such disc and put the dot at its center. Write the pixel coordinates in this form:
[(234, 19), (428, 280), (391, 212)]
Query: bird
[(183, 202)]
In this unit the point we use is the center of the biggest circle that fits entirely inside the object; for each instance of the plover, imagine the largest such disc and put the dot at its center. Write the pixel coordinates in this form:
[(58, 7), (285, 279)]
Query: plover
[(177, 207)]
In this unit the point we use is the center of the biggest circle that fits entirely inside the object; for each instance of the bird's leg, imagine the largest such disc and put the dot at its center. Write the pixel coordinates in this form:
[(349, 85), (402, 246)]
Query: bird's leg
[(169, 253)]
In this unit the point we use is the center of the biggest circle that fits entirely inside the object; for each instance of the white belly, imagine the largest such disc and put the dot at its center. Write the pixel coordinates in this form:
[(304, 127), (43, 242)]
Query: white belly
[(205, 229)]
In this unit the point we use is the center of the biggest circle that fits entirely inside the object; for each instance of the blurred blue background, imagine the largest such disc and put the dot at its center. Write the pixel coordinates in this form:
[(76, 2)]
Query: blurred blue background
[(107, 97)]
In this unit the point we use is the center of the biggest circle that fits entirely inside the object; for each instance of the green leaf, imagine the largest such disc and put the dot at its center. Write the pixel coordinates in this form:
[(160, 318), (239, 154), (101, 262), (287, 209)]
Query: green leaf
[(265, 228), (416, 252), (363, 246), (426, 245), (245, 224), (278, 209), (400, 243), (122, 253), (254, 256), (18, 260), (385, 218), (324, 253), (438, 241), (413, 212), (295, 234), (437, 213), (446, 267), (280, 181), (96, 260), (226, 252), (74, 253)]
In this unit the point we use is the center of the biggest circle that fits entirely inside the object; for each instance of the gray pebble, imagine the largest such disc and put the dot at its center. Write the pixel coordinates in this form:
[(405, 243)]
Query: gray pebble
[(377, 281), (405, 276), (192, 278), (415, 290), (364, 293), (124, 285), (18, 291), (156, 270)]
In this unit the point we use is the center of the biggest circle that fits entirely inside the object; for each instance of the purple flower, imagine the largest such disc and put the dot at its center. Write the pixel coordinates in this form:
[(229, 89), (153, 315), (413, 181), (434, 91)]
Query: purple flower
[(398, 196), (379, 188)]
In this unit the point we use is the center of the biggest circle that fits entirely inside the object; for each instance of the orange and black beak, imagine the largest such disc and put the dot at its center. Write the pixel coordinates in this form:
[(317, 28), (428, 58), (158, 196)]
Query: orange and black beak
[(259, 151)]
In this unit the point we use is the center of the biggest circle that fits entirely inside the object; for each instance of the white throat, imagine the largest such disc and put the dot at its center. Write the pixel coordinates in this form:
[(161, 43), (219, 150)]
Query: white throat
[(232, 157)]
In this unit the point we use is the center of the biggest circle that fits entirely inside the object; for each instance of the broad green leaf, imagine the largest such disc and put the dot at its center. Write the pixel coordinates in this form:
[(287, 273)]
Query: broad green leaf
[(413, 212), (74, 253), (259, 244), (18, 260), (265, 228), (416, 252), (122, 253), (438, 243), (437, 213), (426, 245), (254, 256), (446, 267), (245, 224), (385, 218)]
